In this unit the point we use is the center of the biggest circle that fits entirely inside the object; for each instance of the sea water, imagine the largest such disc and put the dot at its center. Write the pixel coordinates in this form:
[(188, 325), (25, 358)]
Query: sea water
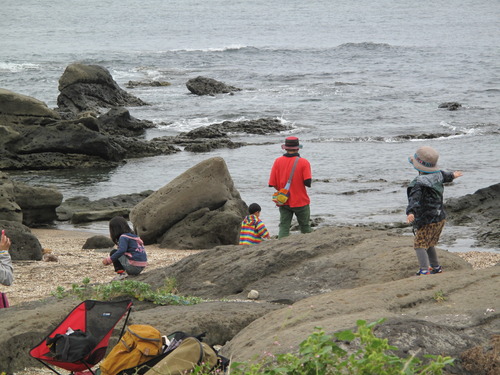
[(359, 82)]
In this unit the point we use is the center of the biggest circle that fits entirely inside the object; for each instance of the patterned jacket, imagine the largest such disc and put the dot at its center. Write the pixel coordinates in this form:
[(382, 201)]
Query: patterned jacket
[(425, 198), (132, 247), (253, 230)]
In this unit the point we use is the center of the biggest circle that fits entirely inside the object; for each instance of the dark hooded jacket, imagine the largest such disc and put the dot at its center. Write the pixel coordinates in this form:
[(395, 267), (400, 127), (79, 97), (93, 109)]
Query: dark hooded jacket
[(425, 198)]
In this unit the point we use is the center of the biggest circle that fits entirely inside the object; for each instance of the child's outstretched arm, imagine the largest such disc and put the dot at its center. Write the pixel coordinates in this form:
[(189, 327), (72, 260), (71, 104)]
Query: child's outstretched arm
[(457, 174)]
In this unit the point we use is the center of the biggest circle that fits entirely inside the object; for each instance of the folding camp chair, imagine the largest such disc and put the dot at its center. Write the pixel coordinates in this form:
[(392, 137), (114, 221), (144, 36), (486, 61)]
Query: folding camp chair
[(94, 318)]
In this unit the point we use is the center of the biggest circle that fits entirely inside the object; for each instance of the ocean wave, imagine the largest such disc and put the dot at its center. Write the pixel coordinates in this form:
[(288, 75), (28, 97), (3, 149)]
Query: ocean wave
[(398, 138), (365, 46), (16, 67), (231, 47)]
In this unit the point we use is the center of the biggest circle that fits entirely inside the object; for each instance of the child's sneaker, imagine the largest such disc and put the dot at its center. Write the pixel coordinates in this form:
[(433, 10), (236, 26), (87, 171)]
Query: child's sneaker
[(423, 271), (120, 276), (437, 269)]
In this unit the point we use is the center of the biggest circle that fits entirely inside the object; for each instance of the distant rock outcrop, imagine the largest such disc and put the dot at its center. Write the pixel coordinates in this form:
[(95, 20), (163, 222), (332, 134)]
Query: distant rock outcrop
[(209, 86), (199, 209), (450, 106), (211, 137), (90, 129), (91, 88)]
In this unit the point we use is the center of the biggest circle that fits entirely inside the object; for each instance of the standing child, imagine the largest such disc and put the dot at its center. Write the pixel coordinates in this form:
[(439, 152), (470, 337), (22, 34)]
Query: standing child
[(425, 207), (253, 229), (130, 257)]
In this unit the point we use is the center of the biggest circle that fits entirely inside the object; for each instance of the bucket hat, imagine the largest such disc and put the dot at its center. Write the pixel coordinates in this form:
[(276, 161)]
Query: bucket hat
[(291, 143), (425, 159)]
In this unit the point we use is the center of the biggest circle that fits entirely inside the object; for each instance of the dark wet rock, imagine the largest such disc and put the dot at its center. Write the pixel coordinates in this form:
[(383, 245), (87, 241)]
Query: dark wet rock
[(132, 84), (119, 121), (215, 136), (199, 209), (25, 246), (81, 209), (98, 242), (209, 86), (450, 106), (69, 137), (480, 210), (18, 108), (91, 88), (203, 139), (260, 126), (54, 160), (43, 142), (37, 203), (138, 148)]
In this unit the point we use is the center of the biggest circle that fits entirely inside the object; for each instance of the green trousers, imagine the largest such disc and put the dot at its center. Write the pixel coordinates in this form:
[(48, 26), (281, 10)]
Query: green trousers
[(303, 215)]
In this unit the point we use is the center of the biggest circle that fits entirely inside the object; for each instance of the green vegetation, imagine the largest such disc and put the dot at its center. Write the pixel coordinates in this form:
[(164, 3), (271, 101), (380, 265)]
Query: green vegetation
[(320, 355), (127, 288), (439, 296)]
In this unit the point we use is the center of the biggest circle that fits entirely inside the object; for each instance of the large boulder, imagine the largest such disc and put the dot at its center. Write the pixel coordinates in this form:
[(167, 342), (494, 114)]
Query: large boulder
[(69, 137), (300, 266), (443, 314), (9, 209), (19, 108), (25, 246), (481, 209), (91, 88), (37, 203), (209, 86), (204, 194), (118, 121), (81, 209)]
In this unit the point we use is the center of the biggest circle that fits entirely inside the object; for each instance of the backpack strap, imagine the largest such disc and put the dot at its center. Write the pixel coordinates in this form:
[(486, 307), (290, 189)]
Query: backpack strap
[(289, 182)]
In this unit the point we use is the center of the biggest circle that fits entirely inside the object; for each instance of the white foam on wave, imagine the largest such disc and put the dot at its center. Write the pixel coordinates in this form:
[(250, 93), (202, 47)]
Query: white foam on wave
[(17, 67), (185, 125), (444, 124), (231, 47)]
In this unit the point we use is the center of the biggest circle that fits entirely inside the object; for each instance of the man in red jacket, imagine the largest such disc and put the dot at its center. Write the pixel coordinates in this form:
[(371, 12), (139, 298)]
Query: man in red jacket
[(298, 200)]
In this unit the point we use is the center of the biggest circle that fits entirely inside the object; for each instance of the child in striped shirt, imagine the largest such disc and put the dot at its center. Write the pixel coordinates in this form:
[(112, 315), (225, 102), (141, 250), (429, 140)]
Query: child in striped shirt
[(253, 230)]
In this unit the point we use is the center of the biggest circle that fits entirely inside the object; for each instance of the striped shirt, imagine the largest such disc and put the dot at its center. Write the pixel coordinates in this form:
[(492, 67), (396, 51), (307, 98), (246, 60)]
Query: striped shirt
[(253, 230)]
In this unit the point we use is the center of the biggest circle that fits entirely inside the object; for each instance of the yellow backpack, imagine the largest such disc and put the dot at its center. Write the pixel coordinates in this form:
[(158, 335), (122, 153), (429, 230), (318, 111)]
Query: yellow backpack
[(138, 344), (182, 360)]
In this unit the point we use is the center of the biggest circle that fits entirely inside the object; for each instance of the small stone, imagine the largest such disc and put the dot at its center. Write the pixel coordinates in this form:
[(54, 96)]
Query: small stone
[(49, 257), (253, 294)]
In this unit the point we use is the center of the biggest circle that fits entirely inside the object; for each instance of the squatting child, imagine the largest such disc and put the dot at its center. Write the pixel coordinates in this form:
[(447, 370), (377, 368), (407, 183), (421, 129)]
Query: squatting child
[(425, 207), (253, 229), (130, 257)]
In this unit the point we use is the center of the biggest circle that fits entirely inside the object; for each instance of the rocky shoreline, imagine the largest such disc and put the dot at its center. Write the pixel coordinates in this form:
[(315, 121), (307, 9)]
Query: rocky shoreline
[(328, 278)]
